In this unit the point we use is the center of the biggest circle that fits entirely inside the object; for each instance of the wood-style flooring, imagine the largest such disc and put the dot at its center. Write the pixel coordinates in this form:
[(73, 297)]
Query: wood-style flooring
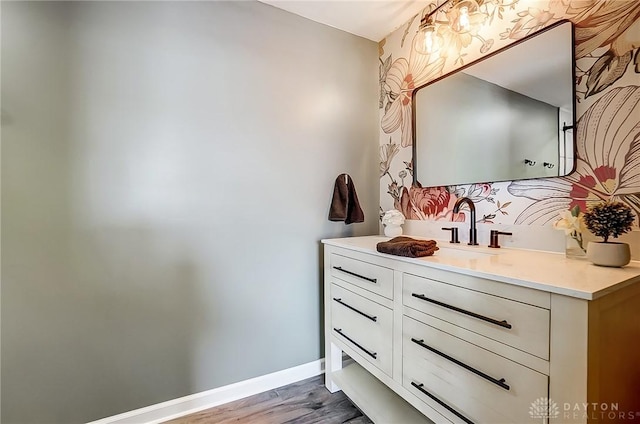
[(304, 402)]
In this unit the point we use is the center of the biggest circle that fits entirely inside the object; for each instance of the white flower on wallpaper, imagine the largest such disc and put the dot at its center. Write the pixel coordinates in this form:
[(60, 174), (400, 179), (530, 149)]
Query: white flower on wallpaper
[(401, 79), (607, 36), (608, 165), (395, 189), (387, 153)]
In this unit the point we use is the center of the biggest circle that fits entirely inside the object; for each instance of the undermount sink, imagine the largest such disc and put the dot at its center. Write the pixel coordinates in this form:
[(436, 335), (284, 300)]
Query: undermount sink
[(462, 253)]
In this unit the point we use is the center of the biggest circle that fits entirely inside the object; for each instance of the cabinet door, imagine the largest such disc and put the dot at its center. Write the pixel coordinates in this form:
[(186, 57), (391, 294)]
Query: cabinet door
[(517, 324), (374, 278), (362, 325), (469, 383)]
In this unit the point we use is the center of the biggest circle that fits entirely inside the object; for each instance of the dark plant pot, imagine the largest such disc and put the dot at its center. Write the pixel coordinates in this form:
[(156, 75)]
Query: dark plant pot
[(609, 254)]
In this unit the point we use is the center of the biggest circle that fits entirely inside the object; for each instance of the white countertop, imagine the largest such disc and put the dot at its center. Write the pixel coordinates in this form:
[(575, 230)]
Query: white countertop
[(548, 271)]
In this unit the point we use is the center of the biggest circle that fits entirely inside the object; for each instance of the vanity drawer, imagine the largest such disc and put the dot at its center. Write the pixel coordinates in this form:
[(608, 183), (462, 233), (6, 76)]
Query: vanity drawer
[(479, 385), (375, 278), (516, 324), (363, 325)]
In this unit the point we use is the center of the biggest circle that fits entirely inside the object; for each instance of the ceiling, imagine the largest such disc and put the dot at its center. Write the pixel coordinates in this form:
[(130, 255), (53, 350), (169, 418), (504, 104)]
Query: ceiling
[(371, 19)]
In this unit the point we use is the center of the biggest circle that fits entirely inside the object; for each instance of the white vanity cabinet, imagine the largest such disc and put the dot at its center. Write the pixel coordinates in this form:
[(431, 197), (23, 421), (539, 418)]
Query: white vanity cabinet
[(512, 337)]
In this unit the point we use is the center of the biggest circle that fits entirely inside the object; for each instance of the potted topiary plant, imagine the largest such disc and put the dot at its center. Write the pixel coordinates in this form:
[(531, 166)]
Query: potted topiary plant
[(609, 220)]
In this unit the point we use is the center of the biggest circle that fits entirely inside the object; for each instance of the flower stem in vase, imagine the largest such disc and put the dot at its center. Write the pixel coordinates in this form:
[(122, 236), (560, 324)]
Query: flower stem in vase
[(574, 247)]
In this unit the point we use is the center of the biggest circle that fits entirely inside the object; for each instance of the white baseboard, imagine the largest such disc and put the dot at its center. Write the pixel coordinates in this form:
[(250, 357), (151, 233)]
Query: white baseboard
[(175, 408)]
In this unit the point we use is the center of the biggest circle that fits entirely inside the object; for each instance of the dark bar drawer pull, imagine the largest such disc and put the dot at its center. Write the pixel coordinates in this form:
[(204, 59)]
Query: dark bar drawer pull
[(502, 323), (339, 268), (450, 409), (372, 354), (339, 300), (502, 382)]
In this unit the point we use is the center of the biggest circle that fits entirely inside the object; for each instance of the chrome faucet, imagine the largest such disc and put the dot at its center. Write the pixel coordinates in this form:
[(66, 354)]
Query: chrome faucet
[(473, 233)]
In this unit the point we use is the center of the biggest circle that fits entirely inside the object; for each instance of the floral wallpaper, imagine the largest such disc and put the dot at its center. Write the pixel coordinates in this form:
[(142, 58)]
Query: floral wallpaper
[(607, 49)]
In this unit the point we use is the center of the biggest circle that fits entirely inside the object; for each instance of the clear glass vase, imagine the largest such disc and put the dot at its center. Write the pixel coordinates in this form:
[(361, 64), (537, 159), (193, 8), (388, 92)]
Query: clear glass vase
[(574, 246)]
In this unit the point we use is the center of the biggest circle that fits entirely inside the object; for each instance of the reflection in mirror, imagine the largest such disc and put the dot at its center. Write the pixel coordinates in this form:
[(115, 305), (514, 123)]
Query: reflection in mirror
[(507, 117)]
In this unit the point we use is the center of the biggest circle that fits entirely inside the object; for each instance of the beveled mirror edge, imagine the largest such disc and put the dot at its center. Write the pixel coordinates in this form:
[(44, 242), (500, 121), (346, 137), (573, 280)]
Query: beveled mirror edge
[(416, 183)]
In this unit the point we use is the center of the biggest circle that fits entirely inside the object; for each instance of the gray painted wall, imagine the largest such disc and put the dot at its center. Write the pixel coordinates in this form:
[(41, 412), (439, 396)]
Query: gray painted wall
[(166, 175)]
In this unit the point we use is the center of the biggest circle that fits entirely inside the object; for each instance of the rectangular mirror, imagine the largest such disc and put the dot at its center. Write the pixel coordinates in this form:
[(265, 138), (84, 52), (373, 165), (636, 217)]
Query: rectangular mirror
[(508, 116)]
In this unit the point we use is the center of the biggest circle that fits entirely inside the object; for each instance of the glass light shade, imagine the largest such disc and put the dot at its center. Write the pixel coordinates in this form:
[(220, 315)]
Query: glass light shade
[(427, 41), (463, 10), (463, 20)]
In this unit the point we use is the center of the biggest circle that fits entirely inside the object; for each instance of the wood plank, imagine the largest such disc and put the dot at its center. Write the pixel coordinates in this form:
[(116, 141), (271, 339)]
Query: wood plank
[(304, 402)]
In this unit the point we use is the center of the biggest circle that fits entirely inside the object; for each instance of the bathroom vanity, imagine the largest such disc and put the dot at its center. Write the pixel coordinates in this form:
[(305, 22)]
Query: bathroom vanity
[(479, 335)]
